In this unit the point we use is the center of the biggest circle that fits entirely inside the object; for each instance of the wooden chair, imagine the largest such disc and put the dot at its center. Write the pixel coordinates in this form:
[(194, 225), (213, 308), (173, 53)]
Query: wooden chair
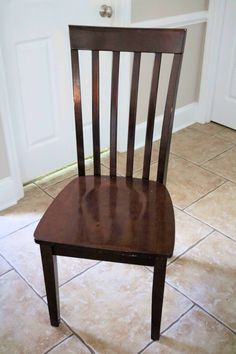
[(111, 218)]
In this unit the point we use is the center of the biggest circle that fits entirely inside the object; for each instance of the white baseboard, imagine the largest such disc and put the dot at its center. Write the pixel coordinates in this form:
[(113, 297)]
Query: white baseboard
[(184, 116), (8, 195)]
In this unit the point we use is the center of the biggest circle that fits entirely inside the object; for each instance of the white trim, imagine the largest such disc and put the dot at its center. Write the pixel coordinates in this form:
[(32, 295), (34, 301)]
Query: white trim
[(7, 193), (184, 116), (122, 18), (210, 59), (174, 21), (122, 13), (11, 188)]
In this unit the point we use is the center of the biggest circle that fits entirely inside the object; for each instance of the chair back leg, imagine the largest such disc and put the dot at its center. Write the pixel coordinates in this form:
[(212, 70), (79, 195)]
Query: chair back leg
[(49, 262), (157, 296)]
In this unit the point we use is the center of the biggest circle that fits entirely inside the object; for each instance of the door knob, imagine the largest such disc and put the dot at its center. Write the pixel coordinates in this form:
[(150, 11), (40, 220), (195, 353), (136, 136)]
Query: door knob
[(105, 11)]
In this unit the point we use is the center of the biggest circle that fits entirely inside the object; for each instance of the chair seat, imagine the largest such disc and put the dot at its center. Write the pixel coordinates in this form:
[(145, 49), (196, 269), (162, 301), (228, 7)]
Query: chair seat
[(117, 214)]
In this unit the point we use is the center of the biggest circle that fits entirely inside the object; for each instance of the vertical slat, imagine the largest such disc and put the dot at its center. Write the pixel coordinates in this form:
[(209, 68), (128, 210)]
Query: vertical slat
[(78, 111), (114, 103), (132, 114), (95, 110), (168, 119), (151, 115)]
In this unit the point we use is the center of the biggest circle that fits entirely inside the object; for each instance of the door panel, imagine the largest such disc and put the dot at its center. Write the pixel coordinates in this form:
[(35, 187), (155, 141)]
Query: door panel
[(36, 51), (224, 103)]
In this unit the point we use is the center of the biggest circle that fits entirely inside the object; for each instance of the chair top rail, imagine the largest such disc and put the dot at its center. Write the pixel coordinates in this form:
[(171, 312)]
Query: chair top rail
[(138, 40)]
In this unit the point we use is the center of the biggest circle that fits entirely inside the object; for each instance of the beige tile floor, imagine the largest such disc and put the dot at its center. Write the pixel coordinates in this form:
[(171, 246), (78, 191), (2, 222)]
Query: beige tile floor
[(105, 307)]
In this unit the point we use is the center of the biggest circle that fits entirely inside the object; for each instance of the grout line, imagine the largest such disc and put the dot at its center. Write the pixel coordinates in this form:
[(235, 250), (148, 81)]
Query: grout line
[(192, 246), (6, 260), (10, 270), (201, 163), (148, 268), (41, 297), (34, 180), (22, 277), (218, 175), (31, 286), (202, 308), (57, 344), (168, 327), (223, 152), (43, 190), (79, 274), (77, 336), (228, 149), (203, 196), (147, 345), (227, 236), (21, 228), (178, 319), (213, 227), (6, 272), (53, 183)]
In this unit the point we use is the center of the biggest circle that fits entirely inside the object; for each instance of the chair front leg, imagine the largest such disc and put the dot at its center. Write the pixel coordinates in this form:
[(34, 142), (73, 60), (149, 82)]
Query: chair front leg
[(49, 262), (157, 295)]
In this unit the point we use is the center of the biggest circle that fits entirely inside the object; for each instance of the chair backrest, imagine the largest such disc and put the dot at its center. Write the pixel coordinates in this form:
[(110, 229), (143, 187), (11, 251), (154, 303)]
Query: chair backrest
[(138, 41)]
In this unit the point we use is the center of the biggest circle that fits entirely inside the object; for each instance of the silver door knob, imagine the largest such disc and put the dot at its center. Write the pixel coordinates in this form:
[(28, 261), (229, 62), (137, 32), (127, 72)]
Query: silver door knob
[(105, 11)]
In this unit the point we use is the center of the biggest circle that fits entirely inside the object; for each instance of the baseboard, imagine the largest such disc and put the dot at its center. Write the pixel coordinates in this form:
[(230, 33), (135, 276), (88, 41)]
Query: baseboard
[(8, 195), (184, 116)]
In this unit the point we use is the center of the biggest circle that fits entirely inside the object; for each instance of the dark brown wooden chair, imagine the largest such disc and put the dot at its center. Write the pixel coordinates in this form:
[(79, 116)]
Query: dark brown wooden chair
[(111, 218)]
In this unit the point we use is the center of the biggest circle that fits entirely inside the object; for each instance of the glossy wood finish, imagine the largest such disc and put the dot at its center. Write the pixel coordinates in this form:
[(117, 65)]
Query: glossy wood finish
[(111, 214), (132, 114), (158, 295), (78, 111), (128, 39), (95, 113), (151, 116), (114, 109), (168, 119), (49, 262), (117, 219)]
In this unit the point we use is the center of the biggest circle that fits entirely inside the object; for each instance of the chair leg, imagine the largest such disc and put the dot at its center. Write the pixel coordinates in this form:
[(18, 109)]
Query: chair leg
[(157, 296), (49, 262)]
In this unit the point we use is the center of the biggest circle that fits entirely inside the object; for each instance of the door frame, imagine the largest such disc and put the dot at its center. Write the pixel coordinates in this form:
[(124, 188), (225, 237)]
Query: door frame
[(216, 15), (11, 188)]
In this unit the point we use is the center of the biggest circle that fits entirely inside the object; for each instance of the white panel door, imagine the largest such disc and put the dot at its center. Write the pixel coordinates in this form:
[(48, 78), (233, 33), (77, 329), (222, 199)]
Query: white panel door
[(224, 103), (35, 43)]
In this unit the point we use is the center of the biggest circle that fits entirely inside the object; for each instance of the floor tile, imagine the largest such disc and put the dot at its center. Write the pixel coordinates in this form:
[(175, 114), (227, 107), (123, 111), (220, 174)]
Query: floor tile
[(27, 210), (56, 188), (196, 146), (218, 209), (4, 266), (24, 325), (57, 176), (188, 231), (138, 159), (206, 274), (71, 345), (186, 182), (24, 254), (113, 316), (195, 333), (208, 128), (224, 165), (227, 134)]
